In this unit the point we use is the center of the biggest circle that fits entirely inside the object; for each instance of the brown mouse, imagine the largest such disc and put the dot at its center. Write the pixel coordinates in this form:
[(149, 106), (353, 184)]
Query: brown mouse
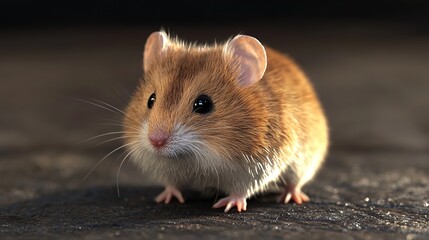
[(238, 117)]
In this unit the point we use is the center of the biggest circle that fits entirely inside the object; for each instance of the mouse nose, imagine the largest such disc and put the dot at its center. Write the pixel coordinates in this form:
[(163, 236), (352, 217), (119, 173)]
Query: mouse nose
[(158, 139)]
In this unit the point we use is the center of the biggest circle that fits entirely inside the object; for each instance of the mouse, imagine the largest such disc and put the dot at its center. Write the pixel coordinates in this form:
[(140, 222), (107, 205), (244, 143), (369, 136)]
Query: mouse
[(237, 116)]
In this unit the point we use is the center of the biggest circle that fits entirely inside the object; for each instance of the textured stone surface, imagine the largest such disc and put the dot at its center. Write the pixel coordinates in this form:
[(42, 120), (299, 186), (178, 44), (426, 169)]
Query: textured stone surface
[(373, 81)]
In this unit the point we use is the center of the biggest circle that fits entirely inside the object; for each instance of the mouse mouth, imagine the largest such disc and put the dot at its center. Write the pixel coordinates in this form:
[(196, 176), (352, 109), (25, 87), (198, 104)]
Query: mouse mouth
[(169, 153)]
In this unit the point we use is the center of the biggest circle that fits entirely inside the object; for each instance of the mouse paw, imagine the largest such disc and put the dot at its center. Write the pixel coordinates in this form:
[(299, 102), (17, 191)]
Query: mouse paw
[(168, 194), (292, 193), (232, 201)]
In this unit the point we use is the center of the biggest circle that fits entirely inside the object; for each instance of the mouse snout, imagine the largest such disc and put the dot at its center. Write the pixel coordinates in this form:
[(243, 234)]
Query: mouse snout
[(158, 139)]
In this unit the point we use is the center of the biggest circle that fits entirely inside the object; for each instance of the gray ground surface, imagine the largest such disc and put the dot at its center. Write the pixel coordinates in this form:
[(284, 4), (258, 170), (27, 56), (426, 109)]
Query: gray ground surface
[(373, 79)]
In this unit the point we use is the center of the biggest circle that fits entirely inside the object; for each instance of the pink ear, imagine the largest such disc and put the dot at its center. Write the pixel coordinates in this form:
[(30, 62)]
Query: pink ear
[(252, 59), (156, 43)]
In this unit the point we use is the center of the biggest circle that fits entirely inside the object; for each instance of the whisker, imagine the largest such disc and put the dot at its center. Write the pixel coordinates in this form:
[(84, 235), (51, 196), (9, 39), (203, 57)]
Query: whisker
[(118, 124), (111, 120), (94, 104), (113, 139), (120, 166), (109, 105), (113, 89), (120, 96), (105, 134), (99, 162)]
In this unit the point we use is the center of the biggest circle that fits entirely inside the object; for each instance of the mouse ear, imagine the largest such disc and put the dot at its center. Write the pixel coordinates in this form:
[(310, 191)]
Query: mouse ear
[(156, 43), (251, 57)]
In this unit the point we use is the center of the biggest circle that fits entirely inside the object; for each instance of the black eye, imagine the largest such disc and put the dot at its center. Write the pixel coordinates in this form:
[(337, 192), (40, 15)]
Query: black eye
[(151, 100), (203, 105)]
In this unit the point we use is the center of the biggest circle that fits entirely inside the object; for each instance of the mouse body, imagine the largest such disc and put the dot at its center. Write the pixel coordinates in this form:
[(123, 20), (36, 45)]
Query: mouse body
[(238, 117)]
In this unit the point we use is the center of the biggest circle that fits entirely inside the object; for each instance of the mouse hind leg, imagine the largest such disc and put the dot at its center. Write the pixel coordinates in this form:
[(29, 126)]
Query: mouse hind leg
[(292, 189), (167, 195), (296, 177), (292, 192)]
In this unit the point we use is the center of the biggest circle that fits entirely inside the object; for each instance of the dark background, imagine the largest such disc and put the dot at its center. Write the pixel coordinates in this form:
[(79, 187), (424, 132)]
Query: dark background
[(368, 61), (70, 13)]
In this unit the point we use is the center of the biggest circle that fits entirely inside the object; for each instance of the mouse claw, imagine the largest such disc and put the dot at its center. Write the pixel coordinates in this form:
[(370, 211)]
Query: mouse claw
[(292, 193), (168, 194), (230, 202)]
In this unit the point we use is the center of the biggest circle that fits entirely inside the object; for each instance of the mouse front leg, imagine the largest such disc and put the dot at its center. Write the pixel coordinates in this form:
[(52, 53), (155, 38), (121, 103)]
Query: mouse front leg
[(232, 201), (168, 194)]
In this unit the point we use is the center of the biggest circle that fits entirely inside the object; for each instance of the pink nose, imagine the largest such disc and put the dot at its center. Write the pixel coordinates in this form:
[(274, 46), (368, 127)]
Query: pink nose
[(158, 139)]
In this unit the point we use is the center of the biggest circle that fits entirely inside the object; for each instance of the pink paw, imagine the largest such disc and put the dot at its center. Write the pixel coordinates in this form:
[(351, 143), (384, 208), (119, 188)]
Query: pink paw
[(232, 201), (292, 193), (168, 194)]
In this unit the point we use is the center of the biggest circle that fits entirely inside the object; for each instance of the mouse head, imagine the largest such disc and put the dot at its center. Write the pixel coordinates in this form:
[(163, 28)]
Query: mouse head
[(198, 101)]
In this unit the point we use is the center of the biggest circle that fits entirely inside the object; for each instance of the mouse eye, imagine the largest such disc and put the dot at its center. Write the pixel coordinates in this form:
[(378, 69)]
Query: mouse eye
[(151, 100), (203, 105)]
